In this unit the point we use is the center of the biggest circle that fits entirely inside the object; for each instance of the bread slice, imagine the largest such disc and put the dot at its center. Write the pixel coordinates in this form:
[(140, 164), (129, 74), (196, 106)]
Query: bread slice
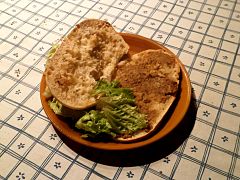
[(153, 76), (88, 53)]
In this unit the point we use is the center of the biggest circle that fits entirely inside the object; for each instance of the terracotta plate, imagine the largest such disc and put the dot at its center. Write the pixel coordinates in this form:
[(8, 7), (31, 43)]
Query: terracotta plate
[(137, 44)]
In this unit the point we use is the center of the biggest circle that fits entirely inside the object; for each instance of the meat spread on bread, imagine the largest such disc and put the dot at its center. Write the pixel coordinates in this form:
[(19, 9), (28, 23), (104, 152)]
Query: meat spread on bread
[(153, 76), (90, 52)]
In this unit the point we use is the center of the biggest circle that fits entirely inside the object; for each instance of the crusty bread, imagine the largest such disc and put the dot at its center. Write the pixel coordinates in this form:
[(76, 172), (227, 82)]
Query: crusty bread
[(88, 53), (153, 76)]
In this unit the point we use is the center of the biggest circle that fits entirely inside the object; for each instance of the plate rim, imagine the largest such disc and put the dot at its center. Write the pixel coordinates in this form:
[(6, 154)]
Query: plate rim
[(120, 145)]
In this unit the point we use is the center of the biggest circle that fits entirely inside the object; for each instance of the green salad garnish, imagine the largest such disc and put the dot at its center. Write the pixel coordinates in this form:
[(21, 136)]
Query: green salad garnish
[(116, 113)]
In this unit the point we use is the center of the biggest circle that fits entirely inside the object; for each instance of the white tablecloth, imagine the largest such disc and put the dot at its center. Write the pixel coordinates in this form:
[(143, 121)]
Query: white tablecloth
[(203, 33)]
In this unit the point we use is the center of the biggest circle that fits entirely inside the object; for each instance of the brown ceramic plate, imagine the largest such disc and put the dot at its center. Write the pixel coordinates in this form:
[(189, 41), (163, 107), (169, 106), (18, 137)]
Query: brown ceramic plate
[(137, 44)]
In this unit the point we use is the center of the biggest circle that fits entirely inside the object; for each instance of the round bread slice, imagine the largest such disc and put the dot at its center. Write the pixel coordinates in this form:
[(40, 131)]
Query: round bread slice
[(153, 76), (88, 53)]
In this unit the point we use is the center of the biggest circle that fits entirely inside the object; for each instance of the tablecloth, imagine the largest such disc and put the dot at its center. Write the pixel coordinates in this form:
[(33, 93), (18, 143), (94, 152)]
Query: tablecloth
[(204, 34)]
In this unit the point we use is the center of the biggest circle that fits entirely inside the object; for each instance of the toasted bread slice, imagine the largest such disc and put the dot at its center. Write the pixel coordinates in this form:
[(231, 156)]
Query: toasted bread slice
[(88, 53), (153, 76)]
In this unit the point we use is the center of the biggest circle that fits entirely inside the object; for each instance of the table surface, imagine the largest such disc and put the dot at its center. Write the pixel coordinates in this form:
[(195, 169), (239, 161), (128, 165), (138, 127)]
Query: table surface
[(204, 34)]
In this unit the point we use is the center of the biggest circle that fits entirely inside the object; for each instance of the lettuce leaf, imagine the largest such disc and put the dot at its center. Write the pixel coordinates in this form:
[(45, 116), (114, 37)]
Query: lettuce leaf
[(94, 124), (52, 51), (115, 114), (61, 110), (56, 106)]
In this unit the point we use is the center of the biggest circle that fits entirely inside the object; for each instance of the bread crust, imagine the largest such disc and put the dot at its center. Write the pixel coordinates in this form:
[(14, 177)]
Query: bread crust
[(153, 76), (88, 53)]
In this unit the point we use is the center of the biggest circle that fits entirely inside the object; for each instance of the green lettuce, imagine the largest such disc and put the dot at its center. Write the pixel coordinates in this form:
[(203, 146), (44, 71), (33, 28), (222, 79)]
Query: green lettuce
[(56, 106), (52, 51), (94, 123), (61, 110), (116, 113)]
